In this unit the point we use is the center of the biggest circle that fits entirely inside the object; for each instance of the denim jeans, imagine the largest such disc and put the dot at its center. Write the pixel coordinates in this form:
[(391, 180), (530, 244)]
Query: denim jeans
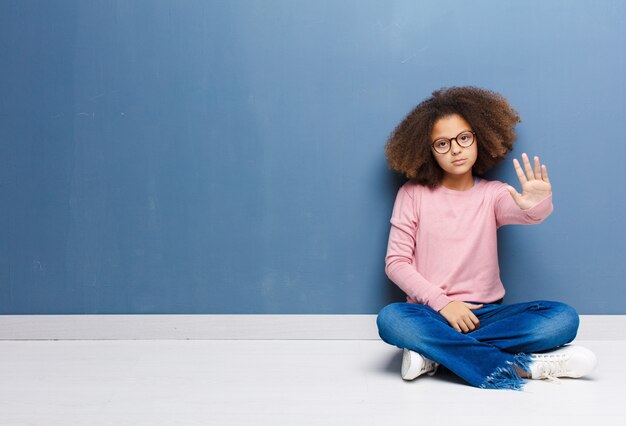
[(487, 356)]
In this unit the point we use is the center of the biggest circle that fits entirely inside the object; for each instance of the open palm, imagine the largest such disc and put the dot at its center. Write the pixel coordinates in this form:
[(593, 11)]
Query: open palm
[(535, 183)]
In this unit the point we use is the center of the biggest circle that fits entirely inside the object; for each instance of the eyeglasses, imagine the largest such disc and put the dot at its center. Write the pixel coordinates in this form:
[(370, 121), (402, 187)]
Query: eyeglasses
[(463, 139)]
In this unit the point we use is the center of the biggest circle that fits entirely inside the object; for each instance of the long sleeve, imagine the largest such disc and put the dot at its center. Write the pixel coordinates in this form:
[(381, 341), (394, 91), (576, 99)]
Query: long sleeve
[(400, 256), (509, 213)]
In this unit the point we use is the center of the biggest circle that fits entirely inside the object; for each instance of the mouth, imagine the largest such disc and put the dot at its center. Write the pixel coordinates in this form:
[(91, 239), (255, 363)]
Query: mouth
[(459, 162)]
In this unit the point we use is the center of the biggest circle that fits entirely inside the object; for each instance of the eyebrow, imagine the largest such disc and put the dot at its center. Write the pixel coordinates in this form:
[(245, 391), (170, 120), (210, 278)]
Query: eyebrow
[(445, 137)]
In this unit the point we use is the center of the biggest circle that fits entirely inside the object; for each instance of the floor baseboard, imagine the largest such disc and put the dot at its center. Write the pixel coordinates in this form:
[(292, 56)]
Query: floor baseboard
[(234, 327)]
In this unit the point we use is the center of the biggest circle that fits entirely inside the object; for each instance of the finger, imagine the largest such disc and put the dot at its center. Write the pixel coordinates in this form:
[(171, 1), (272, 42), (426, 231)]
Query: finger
[(529, 170), (469, 324), (471, 306), (454, 325), (544, 173), (537, 168), (463, 326), (474, 319), (513, 192), (520, 173)]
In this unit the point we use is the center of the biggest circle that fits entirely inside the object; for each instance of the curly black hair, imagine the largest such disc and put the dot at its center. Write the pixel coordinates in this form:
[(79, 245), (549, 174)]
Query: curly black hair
[(408, 149)]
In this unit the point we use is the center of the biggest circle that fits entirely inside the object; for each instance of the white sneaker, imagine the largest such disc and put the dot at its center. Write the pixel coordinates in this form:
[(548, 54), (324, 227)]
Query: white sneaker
[(414, 365), (567, 361)]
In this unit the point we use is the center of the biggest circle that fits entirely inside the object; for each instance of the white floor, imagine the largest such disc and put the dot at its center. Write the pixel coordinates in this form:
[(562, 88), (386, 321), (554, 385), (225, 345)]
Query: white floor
[(277, 382)]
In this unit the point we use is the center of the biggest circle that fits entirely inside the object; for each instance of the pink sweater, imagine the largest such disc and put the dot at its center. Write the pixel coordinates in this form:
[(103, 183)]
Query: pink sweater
[(443, 243)]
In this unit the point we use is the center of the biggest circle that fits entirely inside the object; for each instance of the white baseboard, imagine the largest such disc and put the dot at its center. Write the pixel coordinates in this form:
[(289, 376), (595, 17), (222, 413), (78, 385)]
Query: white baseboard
[(234, 327)]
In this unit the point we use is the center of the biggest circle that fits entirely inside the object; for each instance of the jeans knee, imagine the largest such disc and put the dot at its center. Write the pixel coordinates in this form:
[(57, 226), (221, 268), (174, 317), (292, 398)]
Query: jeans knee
[(570, 321), (385, 319), (404, 324), (564, 321)]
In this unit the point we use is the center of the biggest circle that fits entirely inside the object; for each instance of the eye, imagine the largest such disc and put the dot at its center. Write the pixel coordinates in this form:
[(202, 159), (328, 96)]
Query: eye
[(441, 143)]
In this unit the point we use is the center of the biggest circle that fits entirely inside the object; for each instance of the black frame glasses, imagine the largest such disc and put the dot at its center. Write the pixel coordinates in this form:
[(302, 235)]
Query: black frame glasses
[(473, 133)]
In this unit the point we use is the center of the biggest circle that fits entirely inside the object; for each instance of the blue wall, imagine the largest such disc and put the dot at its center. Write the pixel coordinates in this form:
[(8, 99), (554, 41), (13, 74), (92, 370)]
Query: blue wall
[(227, 156)]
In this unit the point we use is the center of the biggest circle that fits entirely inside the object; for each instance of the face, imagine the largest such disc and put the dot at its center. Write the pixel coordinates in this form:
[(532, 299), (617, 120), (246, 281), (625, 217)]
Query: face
[(451, 162)]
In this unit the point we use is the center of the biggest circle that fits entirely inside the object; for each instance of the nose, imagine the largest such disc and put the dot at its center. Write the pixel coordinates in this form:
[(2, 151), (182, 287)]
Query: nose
[(455, 147)]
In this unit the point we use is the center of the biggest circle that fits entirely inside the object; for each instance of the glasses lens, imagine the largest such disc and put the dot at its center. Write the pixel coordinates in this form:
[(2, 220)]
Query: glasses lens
[(442, 146), (465, 139)]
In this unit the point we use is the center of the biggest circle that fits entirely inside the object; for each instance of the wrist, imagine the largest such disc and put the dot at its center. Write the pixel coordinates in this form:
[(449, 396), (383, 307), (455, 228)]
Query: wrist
[(440, 302)]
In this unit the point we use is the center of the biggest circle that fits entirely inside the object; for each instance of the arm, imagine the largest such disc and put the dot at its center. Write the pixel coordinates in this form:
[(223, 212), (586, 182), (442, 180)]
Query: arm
[(534, 204), (400, 250)]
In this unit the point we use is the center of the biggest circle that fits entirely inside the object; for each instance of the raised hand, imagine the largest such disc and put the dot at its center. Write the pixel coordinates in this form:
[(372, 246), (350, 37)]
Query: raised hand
[(535, 183)]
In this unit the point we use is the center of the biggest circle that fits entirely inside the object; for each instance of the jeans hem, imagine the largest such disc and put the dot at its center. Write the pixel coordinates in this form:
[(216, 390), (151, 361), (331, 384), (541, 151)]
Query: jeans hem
[(507, 377)]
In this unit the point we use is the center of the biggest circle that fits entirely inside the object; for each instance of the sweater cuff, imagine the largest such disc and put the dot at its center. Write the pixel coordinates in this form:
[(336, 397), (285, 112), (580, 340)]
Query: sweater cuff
[(439, 302)]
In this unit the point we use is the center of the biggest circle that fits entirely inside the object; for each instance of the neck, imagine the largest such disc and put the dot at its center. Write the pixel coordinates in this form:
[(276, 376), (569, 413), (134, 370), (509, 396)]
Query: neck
[(458, 183)]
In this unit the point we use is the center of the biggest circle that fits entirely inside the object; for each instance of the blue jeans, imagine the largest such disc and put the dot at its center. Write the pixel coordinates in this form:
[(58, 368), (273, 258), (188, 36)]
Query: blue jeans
[(487, 356)]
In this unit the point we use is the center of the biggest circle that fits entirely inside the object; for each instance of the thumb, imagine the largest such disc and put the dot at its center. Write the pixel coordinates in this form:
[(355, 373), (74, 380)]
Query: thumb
[(513, 192), (471, 306)]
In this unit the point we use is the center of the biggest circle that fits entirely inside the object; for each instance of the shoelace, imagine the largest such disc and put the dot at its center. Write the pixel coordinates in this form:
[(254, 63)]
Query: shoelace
[(551, 368)]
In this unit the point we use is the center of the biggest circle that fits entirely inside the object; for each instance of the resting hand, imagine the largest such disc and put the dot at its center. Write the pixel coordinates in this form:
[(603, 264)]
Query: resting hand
[(535, 184), (460, 317)]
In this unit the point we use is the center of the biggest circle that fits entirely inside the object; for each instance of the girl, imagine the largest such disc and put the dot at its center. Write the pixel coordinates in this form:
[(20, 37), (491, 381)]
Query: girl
[(442, 250)]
